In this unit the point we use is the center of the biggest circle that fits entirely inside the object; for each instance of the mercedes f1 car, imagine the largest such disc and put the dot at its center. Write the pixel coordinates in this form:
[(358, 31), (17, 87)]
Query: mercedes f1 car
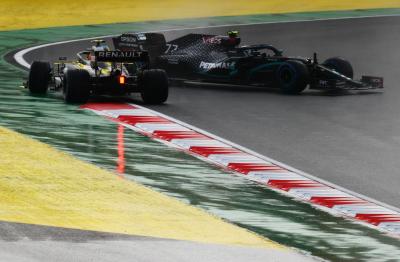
[(221, 59), (99, 71)]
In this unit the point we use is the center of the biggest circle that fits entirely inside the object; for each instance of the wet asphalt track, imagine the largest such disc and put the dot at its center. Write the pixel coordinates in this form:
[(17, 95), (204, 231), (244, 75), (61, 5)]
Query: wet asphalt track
[(351, 139), (22, 243)]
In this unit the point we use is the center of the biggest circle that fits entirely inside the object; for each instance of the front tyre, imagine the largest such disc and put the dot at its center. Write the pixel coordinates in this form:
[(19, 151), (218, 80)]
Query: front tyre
[(293, 77), (340, 65), (154, 86), (76, 86), (39, 77)]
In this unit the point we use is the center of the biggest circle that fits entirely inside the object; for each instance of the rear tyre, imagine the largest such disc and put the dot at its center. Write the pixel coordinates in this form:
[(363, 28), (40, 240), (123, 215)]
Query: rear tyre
[(154, 86), (293, 77), (39, 77), (340, 65), (76, 86)]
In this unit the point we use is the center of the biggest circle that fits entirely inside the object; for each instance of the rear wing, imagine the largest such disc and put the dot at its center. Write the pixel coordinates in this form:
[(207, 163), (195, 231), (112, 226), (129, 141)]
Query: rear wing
[(156, 44), (121, 56), (153, 43)]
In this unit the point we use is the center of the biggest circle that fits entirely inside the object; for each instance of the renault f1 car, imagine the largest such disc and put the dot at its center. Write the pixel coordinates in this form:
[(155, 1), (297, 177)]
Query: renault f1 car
[(99, 71), (221, 59)]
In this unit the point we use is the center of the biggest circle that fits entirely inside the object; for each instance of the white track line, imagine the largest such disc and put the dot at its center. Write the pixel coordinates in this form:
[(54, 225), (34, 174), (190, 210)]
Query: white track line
[(303, 193), (19, 56)]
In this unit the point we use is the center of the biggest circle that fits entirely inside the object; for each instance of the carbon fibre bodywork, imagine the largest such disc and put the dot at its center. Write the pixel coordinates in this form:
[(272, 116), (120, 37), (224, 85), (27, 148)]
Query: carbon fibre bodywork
[(220, 59)]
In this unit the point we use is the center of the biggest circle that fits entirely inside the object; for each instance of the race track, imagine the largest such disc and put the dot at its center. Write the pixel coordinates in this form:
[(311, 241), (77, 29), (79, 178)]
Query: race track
[(350, 139), (25, 242)]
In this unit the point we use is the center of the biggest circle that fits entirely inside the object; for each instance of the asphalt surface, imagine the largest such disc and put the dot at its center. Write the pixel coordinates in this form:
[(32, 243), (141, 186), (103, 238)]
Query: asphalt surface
[(22, 242), (348, 139)]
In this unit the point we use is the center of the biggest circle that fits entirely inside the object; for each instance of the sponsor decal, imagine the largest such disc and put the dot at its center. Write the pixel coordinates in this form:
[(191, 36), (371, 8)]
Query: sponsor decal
[(374, 81), (332, 83), (173, 61), (219, 65), (129, 39), (132, 38), (171, 48), (323, 83), (119, 56), (141, 37), (211, 40)]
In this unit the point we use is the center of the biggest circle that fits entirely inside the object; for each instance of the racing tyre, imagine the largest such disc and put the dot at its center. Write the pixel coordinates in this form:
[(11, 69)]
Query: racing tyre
[(154, 86), (293, 77), (340, 65), (39, 77), (76, 86)]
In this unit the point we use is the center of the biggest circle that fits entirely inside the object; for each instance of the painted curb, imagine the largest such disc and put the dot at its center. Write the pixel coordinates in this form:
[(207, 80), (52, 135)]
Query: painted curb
[(270, 173)]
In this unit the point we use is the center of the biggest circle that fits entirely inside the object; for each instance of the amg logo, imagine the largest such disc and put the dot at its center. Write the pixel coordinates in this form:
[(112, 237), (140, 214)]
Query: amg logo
[(220, 65), (117, 54)]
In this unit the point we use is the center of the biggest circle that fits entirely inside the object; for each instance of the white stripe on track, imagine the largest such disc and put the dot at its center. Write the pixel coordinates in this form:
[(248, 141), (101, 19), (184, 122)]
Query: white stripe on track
[(19, 56)]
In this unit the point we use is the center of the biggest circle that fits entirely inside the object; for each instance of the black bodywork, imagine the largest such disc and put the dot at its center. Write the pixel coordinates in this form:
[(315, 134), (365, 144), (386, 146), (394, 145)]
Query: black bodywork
[(220, 59)]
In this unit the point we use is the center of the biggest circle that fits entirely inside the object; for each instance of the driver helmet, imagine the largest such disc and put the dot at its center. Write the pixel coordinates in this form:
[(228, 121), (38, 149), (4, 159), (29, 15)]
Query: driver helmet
[(100, 45), (233, 33), (233, 38), (101, 48)]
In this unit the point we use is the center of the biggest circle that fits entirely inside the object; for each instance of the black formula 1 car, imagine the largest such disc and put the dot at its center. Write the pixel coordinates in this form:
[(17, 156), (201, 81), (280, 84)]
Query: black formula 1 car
[(99, 71), (221, 59)]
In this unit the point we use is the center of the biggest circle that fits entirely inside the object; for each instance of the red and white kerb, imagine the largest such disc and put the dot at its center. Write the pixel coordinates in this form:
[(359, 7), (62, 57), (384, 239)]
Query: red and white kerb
[(174, 134)]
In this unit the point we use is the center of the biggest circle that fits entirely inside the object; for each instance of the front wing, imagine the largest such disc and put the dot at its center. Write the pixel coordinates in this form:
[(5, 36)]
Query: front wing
[(329, 79)]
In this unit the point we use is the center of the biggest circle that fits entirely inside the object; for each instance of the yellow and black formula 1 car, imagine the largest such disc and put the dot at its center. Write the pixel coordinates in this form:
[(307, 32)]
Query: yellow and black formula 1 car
[(99, 71)]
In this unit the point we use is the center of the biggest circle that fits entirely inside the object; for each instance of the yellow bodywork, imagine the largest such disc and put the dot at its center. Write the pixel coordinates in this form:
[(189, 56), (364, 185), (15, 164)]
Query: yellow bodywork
[(41, 185), (103, 71), (21, 14)]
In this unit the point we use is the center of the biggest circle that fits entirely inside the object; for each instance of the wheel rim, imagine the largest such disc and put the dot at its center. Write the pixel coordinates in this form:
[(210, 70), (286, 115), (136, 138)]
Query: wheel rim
[(286, 75)]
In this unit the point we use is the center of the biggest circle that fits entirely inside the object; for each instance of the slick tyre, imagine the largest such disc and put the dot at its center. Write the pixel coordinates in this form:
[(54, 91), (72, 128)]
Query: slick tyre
[(39, 77), (154, 86), (340, 65), (292, 77), (76, 86)]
